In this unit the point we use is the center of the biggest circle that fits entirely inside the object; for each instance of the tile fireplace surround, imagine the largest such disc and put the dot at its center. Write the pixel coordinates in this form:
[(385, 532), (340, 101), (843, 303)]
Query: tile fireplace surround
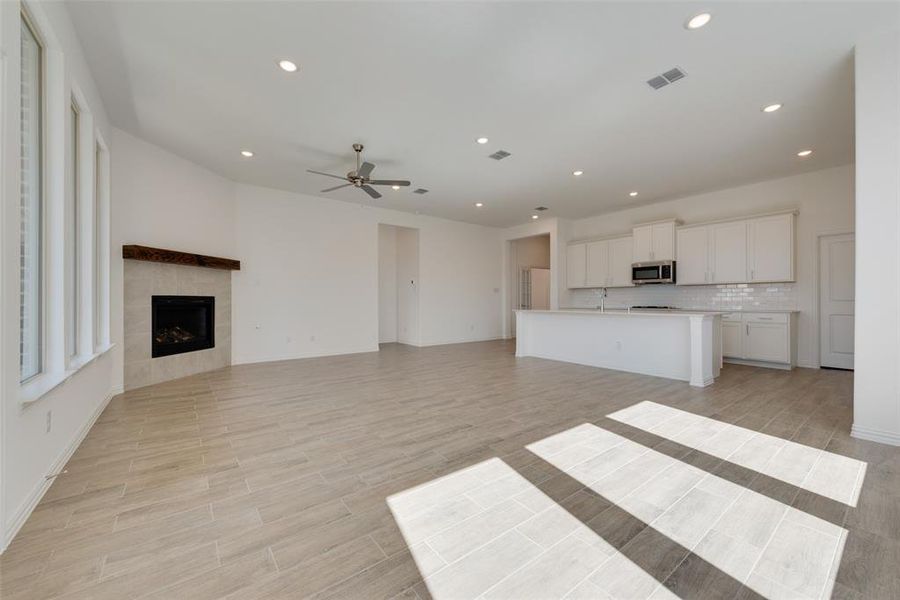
[(146, 279)]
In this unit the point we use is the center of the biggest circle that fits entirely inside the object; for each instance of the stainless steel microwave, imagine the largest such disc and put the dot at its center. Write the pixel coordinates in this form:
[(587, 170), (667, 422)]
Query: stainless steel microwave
[(653, 272)]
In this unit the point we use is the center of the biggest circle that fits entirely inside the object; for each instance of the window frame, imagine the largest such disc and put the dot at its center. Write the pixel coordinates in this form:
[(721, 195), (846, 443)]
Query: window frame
[(73, 235), (28, 21), (60, 92)]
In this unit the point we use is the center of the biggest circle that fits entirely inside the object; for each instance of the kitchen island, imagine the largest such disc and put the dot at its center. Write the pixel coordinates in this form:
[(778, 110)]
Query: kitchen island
[(684, 345)]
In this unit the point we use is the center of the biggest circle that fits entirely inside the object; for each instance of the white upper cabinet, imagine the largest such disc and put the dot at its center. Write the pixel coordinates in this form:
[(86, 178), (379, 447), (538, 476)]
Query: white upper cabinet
[(654, 242), (663, 241), (597, 264), (642, 243), (620, 255), (604, 263), (692, 261), (754, 250), (728, 252), (772, 248), (576, 265)]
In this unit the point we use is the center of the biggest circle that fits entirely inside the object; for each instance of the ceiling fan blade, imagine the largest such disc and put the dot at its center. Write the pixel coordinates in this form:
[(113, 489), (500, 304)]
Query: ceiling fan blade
[(337, 187), (399, 182), (326, 174), (371, 191), (365, 169)]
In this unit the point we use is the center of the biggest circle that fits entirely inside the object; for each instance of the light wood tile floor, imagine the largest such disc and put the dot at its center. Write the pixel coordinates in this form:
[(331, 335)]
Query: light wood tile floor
[(272, 481)]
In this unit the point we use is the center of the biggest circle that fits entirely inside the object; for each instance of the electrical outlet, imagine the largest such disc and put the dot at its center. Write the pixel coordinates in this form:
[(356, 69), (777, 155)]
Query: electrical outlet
[(619, 346), (312, 338), (49, 420)]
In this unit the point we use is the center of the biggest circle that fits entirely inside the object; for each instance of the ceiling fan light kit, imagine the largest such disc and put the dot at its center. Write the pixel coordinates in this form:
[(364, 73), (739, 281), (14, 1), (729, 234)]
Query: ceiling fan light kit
[(360, 178)]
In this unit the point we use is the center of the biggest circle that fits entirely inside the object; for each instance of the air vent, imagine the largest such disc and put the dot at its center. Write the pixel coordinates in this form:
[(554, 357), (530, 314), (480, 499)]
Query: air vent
[(670, 76), (657, 82), (539, 208), (500, 155), (420, 191)]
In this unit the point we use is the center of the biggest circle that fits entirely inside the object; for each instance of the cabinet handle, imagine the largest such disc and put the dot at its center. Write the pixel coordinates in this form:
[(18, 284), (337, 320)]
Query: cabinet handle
[(748, 329), (752, 274)]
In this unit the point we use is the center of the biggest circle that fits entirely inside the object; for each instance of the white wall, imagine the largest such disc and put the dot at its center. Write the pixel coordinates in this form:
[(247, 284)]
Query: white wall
[(387, 284), (308, 284), (825, 203), (408, 286), (27, 451), (876, 402)]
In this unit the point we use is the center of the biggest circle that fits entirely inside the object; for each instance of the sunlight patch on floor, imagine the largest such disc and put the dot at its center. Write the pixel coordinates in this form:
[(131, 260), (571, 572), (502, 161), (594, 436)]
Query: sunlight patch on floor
[(824, 473), (774, 549), (487, 532)]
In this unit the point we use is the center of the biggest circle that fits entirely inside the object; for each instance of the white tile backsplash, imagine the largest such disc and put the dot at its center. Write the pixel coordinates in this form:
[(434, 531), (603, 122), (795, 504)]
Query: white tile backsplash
[(735, 296)]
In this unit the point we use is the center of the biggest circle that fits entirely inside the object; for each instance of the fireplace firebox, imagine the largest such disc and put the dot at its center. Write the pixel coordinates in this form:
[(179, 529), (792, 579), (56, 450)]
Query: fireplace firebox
[(182, 324)]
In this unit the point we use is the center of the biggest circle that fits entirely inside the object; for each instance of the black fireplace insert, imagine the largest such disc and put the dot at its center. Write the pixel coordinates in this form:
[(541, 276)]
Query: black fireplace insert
[(182, 324)]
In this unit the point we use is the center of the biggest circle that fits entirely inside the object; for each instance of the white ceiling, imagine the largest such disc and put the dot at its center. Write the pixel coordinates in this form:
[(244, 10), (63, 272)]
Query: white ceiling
[(559, 85)]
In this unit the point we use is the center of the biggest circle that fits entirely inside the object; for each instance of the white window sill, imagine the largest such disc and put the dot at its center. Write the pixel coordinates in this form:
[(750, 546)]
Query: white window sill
[(33, 390)]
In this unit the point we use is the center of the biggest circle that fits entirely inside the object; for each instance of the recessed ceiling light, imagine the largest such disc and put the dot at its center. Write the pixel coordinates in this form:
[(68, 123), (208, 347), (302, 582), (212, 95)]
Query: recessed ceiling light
[(534, 216), (771, 108), (482, 140), (804, 153), (479, 204), (246, 153), (698, 21), (632, 194), (577, 173), (396, 187), (287, 65)]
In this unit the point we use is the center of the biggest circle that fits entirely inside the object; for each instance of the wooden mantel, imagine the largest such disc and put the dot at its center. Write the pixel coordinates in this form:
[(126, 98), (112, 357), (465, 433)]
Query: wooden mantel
[(174, 257)]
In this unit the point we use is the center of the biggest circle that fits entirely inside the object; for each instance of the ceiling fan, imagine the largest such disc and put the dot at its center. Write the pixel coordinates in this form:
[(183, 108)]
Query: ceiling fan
[(360, 177)]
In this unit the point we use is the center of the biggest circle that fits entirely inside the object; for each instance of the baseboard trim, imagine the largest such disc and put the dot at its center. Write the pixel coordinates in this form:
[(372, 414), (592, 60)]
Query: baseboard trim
[(27, 507), (270, 359), (459, 341), (759, 363), (875, 435)]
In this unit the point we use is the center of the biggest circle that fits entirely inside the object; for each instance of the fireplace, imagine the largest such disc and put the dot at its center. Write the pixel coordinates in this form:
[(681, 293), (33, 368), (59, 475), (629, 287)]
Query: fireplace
[(182, 324)]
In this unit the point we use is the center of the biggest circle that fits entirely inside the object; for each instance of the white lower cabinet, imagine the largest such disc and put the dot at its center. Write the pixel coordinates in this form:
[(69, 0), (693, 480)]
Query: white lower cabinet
[(731, 338), (768, 339)]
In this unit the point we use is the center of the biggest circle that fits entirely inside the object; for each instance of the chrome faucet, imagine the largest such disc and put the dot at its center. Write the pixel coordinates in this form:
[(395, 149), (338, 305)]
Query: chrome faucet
[(602, 300)]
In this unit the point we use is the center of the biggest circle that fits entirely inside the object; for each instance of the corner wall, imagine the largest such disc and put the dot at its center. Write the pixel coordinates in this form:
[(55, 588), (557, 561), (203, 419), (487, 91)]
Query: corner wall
[(876, 392)]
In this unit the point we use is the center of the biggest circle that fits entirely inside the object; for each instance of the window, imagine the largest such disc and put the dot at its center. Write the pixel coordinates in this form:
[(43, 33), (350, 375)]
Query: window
[(101, 239), (72, 238), (98, 240), (31, 205)]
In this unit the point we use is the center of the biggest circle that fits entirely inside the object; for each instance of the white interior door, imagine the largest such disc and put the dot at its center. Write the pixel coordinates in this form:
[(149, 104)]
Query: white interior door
[(836, 300)]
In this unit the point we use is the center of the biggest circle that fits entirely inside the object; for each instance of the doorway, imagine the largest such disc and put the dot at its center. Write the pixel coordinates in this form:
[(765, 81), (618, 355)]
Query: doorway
[(836, 300), (529, 276), (398, 285)]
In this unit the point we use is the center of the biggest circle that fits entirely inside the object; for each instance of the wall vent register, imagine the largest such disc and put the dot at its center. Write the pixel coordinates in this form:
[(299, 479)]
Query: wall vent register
[(182, 324)]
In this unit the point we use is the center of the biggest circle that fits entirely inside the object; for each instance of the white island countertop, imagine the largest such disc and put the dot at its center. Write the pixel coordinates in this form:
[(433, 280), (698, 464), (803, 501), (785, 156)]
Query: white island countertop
[(677, 344), (642, 312)]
